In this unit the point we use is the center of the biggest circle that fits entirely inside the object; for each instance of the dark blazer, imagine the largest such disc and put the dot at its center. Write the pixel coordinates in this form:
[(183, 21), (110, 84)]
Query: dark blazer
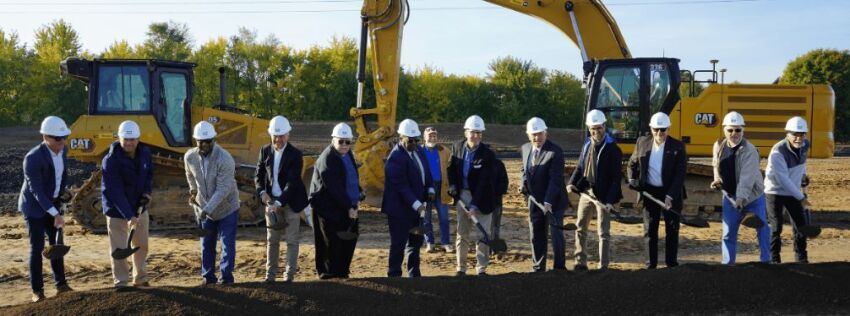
[(125, 180), (328, 195), (545, 180), (403, 183), (673, 166), (502, 181), (482, 175), (293, 192), (609, 171), (40, 182)]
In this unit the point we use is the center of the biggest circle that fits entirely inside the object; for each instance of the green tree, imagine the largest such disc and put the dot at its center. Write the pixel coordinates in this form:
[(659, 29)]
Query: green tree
[(825, 66), (166, 40), (14, 64), (119, 49), (209, 57), (519, 88)]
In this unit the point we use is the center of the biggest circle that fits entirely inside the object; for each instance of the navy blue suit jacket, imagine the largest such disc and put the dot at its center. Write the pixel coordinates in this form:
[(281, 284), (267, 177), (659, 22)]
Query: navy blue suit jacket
[(545, 179), (403, 183), (125, 180), (40, 182), (293, 192)]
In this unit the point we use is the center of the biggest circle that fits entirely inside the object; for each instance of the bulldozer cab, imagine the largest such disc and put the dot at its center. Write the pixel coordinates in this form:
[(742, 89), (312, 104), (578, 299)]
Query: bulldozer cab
[(159, 88), (629, 91)]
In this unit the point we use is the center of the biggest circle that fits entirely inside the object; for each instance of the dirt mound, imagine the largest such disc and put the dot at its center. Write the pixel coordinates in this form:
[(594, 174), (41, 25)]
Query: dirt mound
[(692, 289)]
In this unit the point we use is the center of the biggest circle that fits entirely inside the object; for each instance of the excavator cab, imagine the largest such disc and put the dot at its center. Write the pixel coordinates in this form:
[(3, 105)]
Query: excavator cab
[(629, 91)]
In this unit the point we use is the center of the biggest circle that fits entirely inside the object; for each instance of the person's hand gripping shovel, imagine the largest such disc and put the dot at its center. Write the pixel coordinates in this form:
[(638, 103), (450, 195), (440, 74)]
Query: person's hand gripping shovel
[(420, 229), (697, 222), (614, 214), (497, 245), (59, 250), (567, 226), (349, 233), (123, 253), (809, 230)]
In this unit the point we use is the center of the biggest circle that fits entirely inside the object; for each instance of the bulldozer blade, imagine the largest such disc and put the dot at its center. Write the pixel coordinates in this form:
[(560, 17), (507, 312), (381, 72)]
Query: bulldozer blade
[(810, 231), (123, 253)]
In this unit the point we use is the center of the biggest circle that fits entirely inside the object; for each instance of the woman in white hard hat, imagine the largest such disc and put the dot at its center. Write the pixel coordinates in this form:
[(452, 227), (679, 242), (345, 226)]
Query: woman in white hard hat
[(334, 195), (657, 167), (279, 186), (211, 173), (737, 174), (785, 173), (126, 184), (43, 192)]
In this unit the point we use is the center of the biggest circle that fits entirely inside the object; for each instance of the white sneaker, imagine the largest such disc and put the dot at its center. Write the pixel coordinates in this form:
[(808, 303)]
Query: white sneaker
[(430, 248), (449, 248)]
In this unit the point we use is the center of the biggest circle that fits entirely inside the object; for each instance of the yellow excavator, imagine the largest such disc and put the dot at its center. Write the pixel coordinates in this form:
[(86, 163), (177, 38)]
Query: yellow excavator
[(628, 90)]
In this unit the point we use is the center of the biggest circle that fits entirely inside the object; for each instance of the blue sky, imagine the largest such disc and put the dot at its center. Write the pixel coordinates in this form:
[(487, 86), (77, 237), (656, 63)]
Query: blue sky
[(754, 40)]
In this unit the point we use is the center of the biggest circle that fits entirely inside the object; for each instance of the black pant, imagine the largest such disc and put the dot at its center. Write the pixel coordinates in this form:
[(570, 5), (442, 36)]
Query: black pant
[(775, 204), (38, 228), (333, 255), (651, 218)]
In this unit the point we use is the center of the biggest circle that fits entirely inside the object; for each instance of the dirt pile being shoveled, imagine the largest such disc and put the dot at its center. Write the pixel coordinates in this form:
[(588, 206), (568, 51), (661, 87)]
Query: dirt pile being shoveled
[(692, 288)]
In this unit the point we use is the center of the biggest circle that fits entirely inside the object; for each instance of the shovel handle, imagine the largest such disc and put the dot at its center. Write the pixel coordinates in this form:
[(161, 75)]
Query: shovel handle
[(653, 199), (130, 237), (60, 236)]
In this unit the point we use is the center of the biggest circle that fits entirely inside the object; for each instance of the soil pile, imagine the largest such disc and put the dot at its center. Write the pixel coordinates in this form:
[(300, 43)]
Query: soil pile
[(690, 288)]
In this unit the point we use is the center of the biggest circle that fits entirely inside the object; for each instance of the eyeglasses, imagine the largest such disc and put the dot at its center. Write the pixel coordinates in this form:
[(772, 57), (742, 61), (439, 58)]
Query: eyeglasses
[(733, 130), (58, 138), (659, 130), (204, 141), (343, 141), (430, 130), (413, 140)]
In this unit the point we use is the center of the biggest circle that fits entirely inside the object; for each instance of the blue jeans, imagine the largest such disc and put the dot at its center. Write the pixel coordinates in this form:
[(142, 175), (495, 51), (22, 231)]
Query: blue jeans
[(443, 217), (37, 228), (404, 245), (224, 230), (732, 220)]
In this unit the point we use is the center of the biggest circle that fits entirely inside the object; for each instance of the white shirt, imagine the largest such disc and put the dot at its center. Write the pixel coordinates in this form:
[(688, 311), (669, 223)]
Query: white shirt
[(418, 164), (278, 155), (656, 157), (58, 167)]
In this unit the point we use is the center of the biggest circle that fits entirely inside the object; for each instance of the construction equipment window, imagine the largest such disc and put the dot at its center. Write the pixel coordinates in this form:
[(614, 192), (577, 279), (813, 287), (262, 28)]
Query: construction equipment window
[(659, 87), (174, 92), (619, 98), (123, 89)]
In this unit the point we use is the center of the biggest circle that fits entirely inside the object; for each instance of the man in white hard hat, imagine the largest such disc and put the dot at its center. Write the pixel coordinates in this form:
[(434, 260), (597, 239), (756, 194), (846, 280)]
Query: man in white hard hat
[(279, 186), (737, 174), (543, 181), (786, 171), (597, 176), (408, 186), (126, 187), (472, 180), (658, 166), (438, 160), (334, 195), (43, 192), (211, 173)]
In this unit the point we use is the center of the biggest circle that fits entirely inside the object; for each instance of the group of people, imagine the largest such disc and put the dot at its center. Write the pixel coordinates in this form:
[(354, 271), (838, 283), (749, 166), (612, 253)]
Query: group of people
[(422, 176)]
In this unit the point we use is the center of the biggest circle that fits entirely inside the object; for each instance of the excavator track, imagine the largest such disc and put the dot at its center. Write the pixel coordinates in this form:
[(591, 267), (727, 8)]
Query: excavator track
[(169, 209)]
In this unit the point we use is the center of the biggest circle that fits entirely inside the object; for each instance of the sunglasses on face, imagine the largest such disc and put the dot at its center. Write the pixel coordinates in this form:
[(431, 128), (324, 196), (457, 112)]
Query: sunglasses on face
[(659, 130), (413, 140), (204, 142), (343, 141), (733, 130), (58, 138)]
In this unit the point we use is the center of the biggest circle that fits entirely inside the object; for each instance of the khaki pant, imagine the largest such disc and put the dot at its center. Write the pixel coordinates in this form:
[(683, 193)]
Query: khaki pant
[(585, 207), (118, 229), (464, 225), (273, 245)]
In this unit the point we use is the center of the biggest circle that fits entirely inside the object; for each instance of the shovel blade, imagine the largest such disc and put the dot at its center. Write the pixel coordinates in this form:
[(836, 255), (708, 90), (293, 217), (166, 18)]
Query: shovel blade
[(123, 253), (570, 226), (627, 220), (696, 222), (752, 221), (498, 245), (347, 235), (55, 252), (810, 231), (418, 230)]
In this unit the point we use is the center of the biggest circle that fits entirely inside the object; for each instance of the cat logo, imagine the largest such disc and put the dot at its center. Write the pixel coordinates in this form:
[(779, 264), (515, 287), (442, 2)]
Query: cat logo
[(707, 119), (84, 144), (213, 119)]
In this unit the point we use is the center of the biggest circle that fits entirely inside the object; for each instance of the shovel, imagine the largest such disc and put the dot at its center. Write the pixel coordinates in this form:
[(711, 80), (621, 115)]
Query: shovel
[(348, 234), (420, 229), (614, 214), (567, 226), (497, 245), (697, 222), (750, 220), (59, 250), (123, 253), (809, 230)]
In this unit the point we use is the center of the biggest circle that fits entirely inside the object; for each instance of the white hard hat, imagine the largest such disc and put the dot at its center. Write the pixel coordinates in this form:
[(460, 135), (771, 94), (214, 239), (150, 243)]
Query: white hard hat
[(279, 125), (474, 123), (129, 129), (203, 131), (535, 125), (54, 126), (659, 120), (595, 117), (797, 124), (342, 130), (409, 128), (733, 119)]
